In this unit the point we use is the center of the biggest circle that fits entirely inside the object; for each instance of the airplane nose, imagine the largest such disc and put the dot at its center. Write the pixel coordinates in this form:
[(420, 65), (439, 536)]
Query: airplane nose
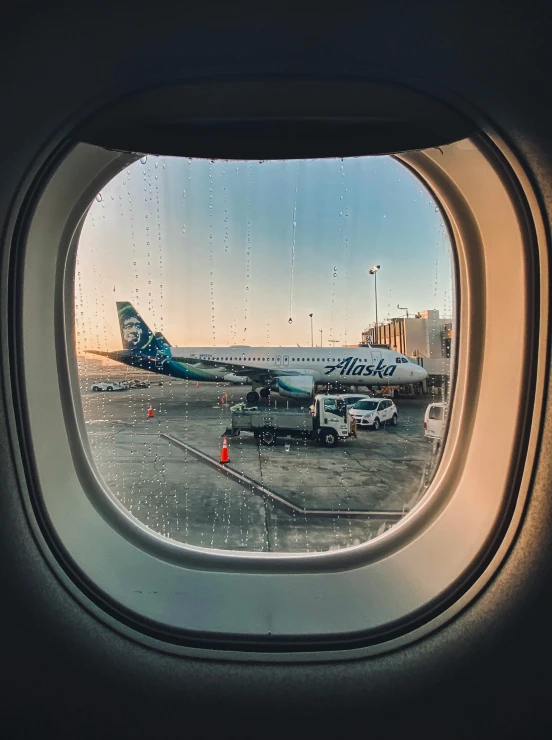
[(421, 373)]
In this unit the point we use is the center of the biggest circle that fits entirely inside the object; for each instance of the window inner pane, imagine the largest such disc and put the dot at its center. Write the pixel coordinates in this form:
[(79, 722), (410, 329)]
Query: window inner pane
[(201, 290)]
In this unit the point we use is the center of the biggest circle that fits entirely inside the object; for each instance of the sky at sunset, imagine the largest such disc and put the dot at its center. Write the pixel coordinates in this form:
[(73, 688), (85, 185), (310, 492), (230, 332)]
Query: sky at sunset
[(220, 253)]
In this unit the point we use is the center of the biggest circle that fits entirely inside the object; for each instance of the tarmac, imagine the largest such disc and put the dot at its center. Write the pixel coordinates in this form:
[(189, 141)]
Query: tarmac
[(295, 496)]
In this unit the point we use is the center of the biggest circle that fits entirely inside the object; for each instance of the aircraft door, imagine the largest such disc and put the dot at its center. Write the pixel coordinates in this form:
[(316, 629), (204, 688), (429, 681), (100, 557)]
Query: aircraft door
[(286, 360), (278, 360), (376, 356)]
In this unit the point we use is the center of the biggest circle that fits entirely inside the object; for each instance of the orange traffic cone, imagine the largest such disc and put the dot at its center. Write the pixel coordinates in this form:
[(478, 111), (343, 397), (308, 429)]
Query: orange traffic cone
[(150, 412), (224, 457)]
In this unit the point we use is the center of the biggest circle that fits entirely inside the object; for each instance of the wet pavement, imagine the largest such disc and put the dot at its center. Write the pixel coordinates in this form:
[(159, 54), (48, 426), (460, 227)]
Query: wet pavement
[(173, 492)]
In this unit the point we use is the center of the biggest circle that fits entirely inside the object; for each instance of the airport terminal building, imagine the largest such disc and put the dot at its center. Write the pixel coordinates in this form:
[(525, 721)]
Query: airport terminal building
[(427, 337)]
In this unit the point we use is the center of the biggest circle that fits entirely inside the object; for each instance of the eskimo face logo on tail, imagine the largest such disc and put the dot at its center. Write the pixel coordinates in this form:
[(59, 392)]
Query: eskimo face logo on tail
[(133, 331), (135, 334), (353, 366)]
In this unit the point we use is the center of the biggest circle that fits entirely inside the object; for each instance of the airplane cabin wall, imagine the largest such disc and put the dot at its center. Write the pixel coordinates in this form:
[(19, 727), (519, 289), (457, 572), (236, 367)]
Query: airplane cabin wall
[(65, 673)]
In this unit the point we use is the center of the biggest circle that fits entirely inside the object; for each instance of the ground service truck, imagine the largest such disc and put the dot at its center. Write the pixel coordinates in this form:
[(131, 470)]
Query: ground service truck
[(327, 422)]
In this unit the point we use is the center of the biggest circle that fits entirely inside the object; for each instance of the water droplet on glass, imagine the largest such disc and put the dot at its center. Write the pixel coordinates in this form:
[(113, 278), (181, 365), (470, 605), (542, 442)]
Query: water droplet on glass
[(99, 197)]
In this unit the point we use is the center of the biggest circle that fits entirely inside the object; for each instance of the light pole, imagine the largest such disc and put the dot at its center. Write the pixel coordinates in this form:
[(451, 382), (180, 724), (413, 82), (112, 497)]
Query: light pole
[(312, 340), (320, 337), (373, 272)]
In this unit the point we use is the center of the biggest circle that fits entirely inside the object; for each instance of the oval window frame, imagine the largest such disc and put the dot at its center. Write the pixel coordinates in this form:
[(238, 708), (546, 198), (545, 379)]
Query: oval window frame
[(275, 629)]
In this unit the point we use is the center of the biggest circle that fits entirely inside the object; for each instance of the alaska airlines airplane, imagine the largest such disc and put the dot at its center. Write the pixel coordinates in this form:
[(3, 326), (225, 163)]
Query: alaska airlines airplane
[(293, 372)]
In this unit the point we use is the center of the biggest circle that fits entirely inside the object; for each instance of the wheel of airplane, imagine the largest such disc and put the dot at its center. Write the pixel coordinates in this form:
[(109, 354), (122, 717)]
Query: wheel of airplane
[(265, 392), (252, 397)]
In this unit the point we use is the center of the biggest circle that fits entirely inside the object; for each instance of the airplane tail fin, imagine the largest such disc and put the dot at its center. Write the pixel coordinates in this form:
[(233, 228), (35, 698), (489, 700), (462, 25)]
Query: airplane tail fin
[(161, 339), (136, 335)]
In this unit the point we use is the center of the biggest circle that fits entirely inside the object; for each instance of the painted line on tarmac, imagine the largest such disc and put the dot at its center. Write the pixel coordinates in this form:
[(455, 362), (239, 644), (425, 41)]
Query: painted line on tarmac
[(275, 497)]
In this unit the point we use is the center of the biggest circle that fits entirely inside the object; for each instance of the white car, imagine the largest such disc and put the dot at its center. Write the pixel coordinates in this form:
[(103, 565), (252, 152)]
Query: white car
[(373, 412), (112, 385), (349, 398), (434, 420), (352, 398)]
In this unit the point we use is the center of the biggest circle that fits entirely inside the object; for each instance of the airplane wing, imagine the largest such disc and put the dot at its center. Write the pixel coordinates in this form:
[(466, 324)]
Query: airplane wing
[(113, 355), (257, 374), (122, 355)]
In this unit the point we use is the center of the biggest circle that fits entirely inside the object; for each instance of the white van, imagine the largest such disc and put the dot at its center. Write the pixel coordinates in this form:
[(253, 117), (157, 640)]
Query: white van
[(434, 420)]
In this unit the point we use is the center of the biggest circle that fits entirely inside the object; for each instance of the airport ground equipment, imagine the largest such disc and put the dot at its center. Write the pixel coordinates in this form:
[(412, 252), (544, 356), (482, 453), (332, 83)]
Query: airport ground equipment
[(109, 386), (327, 423)]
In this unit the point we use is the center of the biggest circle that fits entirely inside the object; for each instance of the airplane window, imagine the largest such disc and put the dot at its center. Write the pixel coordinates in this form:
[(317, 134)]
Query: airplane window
[(233, 264), (179, 487)]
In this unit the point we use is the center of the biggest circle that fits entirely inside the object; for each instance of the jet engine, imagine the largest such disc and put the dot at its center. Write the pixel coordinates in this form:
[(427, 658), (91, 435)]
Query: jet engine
[(295, 386)]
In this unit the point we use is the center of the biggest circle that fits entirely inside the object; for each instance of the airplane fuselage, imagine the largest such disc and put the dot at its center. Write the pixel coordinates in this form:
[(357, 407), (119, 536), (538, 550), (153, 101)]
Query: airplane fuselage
[(345, 365), (292, 371)]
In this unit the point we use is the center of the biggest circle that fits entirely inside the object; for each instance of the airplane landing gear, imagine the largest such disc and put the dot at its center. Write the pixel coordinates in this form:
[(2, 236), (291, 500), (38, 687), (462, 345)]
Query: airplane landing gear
[(252, 397)]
